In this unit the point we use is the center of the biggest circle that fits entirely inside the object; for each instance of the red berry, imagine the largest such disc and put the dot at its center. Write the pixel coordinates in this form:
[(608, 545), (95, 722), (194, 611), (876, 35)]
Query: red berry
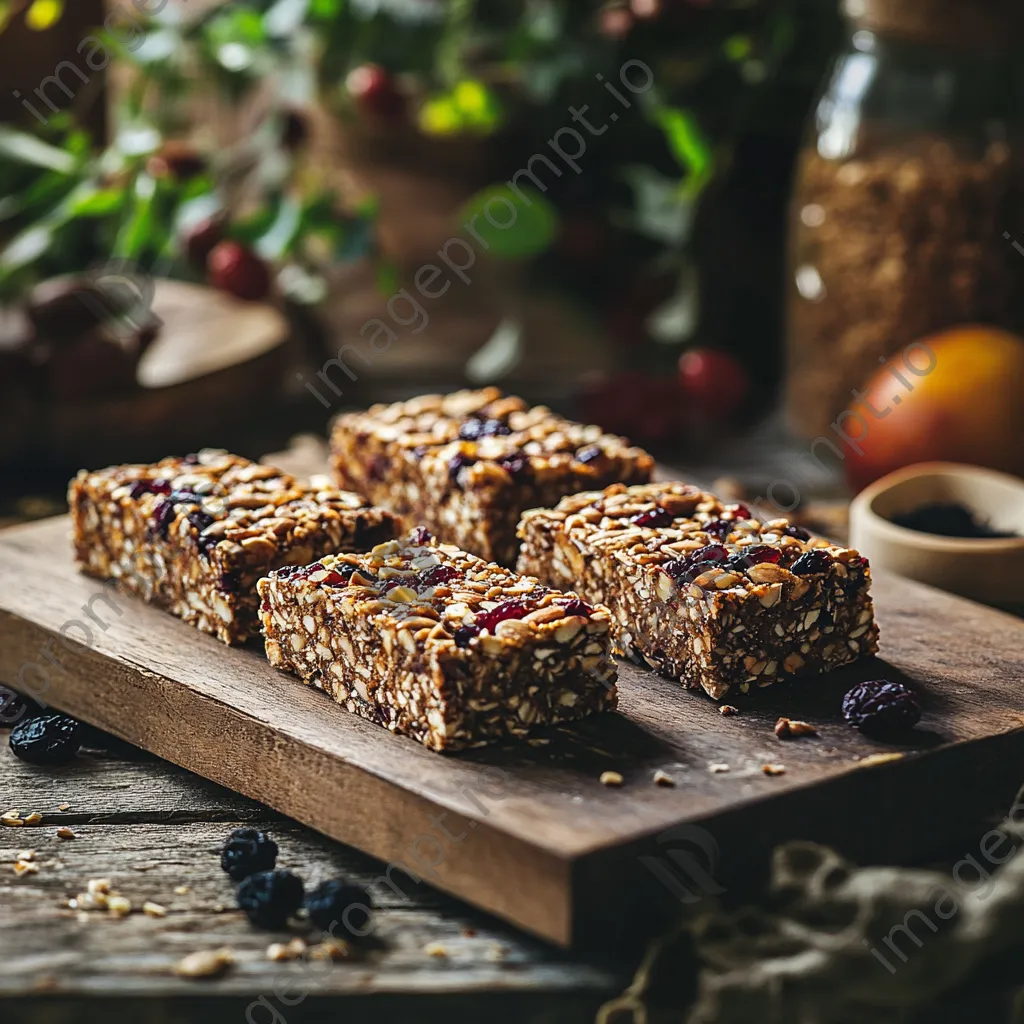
[(199, 240), (375, 91), (234, 268), (615, 22), (714, 383)]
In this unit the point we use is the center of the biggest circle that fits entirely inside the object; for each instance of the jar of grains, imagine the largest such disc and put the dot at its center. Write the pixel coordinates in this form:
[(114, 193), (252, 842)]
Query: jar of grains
[(908, 212)]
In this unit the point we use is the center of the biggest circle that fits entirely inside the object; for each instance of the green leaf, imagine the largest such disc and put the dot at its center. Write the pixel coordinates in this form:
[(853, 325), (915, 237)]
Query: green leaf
[(689, 146), (279, 238), (27, 149), (100, 203), (139, 232), (513, 226)]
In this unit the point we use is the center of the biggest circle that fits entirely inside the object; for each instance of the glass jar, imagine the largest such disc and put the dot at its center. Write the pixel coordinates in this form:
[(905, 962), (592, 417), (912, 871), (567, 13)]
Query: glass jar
[(909, 194)]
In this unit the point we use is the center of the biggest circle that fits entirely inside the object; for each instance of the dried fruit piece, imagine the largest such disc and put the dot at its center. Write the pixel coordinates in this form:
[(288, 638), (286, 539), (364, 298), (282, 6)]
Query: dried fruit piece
[(474, 429), (463, 635), (796, 531), (756, 554), (269, 898), (514, 608), (812, 562), (48, 740), (880, 707), (653, 519), (574, 606), (235, 269), (246, 851), (338, 904)]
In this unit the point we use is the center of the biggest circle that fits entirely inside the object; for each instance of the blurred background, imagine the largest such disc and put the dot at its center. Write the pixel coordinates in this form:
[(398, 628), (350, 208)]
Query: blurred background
[(718, 227)]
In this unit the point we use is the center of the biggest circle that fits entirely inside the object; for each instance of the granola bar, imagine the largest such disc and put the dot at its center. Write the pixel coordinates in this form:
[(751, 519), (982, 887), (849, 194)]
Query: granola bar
[(466, 465), (194, 534), (434, 643), (701, 590)]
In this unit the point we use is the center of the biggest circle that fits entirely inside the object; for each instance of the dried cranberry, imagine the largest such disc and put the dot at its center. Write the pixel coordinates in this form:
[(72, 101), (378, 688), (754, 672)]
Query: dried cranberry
[(881, 707), (438, 575), (653, 518), (796, 531), (515, 464), (463, 634), (741, 512), (589, 454), (684, 570), (287, 571), (754, 555), (574, 606), (141, 487), (812, 562), (514, 608), (456, 463), (336, 578), (474, 429), (420, 536)]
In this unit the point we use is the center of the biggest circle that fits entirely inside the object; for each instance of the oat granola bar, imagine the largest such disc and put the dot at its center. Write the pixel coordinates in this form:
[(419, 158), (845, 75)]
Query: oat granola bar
[(194, 534), (466, 465), (701, 590), (434, 643)]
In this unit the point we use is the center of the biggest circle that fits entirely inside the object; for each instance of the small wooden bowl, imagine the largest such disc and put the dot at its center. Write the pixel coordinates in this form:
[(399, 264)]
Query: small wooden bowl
[(989, 570)]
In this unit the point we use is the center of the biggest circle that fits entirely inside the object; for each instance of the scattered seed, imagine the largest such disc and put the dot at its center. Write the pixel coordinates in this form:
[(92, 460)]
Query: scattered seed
[(873, 759), (728, 709), (12, 819), (26, 855), (717, 768), (118, 906), (98, 886), (331, 949), (611, 779), (24, 867), (64, 807), (34, 818), (435, 949), (154, 910), (786, 729), (773, 769), (181, 890), (662, 778), (205, 964), (293, 950), (65, 833)]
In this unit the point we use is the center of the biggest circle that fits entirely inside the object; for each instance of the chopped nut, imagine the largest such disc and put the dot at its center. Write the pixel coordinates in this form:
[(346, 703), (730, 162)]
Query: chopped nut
[(12, 819), (717, 768), (786, 728), (181, 890), (205, 964), (611, 779), (154, 910), (728, 709), (24, 867), (65, 833), (435, 949), (331, 949), (64, 807), (293, 950), (26, 855), (34, 818), (662, 778), (98, 886), (773, 769), (118, 906)]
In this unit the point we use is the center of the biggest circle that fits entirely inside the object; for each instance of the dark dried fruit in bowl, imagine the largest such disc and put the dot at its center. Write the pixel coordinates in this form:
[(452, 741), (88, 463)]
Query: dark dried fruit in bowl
[(337, 907), (269, 898), (247, 851), (812, 562), (48, 740), (881, 707)]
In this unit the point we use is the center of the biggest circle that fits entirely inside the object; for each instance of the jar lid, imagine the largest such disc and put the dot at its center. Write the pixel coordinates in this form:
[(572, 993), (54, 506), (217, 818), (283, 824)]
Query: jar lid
[(959, 24)]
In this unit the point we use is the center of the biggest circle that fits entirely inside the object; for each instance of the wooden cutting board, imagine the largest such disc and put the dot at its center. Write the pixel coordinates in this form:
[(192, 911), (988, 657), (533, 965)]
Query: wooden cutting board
[(529, 832)]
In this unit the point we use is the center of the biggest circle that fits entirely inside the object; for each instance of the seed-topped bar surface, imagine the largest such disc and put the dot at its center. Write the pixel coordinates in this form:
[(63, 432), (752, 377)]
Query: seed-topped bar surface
[(466, 465), (702, 590), (434, 643), (194, 534)]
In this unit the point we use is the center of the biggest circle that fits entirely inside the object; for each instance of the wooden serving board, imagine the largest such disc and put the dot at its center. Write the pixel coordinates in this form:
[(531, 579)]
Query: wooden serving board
[(528, 832)]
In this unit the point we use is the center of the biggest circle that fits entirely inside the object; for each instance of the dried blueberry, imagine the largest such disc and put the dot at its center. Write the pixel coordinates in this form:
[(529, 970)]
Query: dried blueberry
[(880, 707), (269, 898), (420, 536), (15, 708), (589, 454), (653, 518), (515, 464), (796, 531), (812, 562), (456, 463), (48, 740), (463, 635), (337, 903), (474, 429), (247, 851)]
